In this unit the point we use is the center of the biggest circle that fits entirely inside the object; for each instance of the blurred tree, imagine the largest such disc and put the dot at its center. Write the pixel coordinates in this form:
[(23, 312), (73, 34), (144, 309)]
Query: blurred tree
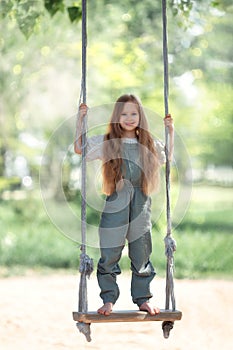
[(28, 99), (202, 71), (124, 54), (28, 13)]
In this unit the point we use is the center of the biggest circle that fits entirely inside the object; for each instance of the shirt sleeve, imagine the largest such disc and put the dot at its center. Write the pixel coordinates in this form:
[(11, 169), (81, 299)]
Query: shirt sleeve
[(95, 147), (160, 148)]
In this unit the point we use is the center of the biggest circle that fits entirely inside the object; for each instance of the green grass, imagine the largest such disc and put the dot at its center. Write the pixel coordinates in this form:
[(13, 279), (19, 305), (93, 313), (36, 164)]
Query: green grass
[(28, 238), (204, 238)]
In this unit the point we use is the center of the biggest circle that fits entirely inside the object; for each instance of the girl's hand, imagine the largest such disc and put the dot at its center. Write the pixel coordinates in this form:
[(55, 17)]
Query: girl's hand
[(83, 110), (168, 121)]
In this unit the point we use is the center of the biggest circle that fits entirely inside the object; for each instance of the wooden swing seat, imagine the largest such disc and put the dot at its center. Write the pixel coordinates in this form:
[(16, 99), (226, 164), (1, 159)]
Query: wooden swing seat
[(127, 316)]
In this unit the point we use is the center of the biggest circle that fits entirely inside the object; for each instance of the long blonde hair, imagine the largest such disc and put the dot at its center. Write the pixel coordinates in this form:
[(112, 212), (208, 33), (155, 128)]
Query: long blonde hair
[(112, 150)]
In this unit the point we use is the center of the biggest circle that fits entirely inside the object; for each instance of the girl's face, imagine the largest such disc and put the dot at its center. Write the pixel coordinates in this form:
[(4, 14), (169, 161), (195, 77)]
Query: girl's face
[(129, 118)]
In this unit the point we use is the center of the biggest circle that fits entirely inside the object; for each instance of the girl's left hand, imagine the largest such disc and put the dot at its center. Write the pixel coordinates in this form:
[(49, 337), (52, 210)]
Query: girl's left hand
[(168, 121)]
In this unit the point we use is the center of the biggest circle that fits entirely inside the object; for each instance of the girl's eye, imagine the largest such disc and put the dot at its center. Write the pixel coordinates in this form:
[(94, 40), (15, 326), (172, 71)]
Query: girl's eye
[(132, 114)]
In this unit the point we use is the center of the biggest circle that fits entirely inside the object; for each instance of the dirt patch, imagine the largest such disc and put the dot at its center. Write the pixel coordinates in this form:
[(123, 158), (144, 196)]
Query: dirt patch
[(36, 314)]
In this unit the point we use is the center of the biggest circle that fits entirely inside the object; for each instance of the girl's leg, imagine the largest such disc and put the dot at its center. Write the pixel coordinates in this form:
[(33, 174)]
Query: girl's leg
[(112, 232), (107, 271), (142, 269)]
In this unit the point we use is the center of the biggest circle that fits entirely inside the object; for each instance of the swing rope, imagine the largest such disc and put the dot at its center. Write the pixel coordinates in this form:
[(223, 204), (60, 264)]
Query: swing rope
[(170, 244), (86, 263)]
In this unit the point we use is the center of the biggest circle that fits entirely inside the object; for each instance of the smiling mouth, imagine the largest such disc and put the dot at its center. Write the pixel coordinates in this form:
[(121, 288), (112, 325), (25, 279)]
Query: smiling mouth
[(130, 124)]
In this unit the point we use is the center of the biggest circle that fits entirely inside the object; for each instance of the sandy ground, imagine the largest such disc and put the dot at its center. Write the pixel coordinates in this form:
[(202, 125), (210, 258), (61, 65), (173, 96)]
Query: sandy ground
[(36, 314)]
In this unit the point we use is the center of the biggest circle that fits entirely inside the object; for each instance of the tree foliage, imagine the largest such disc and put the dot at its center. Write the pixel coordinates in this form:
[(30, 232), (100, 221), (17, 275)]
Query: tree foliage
[(124, 54), (28, 13)]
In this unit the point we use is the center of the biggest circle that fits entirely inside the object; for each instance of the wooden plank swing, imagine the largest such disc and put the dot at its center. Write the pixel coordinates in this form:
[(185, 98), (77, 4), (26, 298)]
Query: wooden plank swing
[(127, 316), (167, 316)]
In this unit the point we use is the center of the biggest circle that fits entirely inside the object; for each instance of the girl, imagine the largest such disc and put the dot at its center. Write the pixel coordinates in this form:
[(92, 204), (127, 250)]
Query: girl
[(131, 159)]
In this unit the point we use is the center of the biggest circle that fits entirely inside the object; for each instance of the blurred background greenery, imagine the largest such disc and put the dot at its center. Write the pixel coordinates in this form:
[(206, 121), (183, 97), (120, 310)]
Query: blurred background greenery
[(40, 74)]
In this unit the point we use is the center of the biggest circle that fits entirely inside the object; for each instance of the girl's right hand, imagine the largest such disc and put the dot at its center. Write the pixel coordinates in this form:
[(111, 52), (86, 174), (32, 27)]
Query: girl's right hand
[(83, 110)]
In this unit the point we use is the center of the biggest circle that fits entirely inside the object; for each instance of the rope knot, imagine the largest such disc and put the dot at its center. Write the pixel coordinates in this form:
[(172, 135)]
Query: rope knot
[(86, 265), (85, 329), (170, 246)]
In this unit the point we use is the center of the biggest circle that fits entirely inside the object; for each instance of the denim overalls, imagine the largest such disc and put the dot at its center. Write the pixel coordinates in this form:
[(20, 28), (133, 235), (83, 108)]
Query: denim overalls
[(126, 215)]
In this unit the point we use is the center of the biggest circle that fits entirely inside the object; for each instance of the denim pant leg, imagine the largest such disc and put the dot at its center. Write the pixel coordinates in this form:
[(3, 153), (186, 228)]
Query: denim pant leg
[(112, 232), (142, 269), (107, 271)]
